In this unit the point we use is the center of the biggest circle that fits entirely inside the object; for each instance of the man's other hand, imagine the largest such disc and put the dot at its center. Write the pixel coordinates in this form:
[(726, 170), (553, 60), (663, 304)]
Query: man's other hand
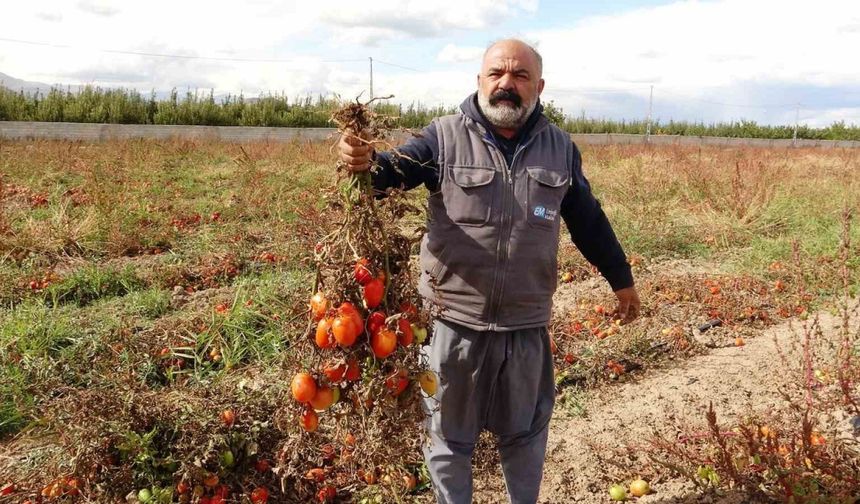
[(628, 304), (355, 152)]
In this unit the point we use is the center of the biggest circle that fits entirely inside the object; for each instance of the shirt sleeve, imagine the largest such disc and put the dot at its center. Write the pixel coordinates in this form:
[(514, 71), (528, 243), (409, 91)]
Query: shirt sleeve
[(590, 229), (410, 165)]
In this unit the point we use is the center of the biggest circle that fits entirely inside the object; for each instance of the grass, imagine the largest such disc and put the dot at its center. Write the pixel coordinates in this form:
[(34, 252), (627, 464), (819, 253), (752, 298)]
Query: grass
[(149, 284)]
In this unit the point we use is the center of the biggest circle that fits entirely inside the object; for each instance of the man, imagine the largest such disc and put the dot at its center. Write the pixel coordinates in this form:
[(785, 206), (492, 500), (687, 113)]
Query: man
[(501, 179)]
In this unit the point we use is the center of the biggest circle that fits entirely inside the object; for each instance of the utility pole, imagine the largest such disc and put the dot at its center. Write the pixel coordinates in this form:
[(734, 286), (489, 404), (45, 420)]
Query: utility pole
[(648, 124), (371, 76), (796, 120)]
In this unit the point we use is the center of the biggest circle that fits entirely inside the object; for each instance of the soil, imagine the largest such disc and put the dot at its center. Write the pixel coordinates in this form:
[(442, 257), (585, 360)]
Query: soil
[(737, 380)]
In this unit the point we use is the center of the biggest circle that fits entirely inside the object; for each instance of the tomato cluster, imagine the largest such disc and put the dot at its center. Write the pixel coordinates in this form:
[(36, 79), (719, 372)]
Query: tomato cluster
[(366, 340), (344, 326)]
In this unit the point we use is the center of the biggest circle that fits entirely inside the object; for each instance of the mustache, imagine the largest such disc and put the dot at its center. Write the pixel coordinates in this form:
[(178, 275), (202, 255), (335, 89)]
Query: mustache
[(504, 94)]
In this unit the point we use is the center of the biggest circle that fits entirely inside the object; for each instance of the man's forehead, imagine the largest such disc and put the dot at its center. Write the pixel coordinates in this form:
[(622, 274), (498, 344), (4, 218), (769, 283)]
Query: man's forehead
[(516, 56)]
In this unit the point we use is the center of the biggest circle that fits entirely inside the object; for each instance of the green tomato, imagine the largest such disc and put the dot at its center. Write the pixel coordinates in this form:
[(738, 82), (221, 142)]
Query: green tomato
[(144, 495), (227, 459), (420, 334), (618, 493)]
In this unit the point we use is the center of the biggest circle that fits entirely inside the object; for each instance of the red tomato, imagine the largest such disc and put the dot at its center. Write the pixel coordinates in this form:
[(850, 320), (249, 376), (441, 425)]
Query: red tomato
[(260, 496), (327, 493), (353, 370), (222, 491), (334, 371), (362, 272), (374, 290), (404, 332), (375, 322), (397, 382), (409, 309), (262, 465)]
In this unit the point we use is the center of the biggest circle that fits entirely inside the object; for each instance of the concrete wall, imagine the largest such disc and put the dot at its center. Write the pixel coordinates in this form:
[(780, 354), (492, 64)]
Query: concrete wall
[(98, 132), (13, 130)]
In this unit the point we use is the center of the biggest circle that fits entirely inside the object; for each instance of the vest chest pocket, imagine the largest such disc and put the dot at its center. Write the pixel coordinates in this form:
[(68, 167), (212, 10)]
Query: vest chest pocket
[(469, 194), (546, 189)]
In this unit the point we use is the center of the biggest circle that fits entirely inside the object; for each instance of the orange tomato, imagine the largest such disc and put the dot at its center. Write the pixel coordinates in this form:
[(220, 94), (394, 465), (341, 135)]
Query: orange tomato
[(344, 331), (409, 482), (211, 481), (228, 417), (304, 387), (316, 474), (404, 332), (349, 309), (309, 420), (323, 336), (325, 397), (319, 305), (383, 343), (374, 290)]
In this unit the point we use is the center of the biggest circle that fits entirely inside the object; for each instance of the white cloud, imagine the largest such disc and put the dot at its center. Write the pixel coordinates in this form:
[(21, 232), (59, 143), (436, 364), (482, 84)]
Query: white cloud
[(458, 54), (388, 19), (712, 60), (98, 7), (691, 50)]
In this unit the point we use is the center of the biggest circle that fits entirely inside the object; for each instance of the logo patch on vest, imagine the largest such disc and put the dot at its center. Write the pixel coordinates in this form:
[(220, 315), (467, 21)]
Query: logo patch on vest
[(544, 213)]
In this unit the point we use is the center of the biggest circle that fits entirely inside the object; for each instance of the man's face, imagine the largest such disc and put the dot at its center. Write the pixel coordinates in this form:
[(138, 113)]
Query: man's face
[(509, 84)]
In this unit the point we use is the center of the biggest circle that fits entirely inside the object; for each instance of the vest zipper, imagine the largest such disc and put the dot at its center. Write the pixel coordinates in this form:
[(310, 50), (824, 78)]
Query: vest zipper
[(495, 300), (507, 180), (507, 228)]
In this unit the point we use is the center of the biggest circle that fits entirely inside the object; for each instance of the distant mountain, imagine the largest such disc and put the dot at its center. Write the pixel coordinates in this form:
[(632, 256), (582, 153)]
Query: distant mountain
[(30, 87), (14, 84)]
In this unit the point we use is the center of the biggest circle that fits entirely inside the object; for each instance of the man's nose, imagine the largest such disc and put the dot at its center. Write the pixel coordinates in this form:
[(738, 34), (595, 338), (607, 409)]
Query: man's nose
[(506, 82)]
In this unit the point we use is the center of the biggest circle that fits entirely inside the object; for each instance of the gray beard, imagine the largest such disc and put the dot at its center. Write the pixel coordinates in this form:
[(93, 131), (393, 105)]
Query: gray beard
[(502, 116)]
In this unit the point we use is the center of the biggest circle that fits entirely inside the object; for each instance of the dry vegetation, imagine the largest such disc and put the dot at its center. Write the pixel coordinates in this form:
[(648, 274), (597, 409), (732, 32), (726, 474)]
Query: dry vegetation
[(148, 287)]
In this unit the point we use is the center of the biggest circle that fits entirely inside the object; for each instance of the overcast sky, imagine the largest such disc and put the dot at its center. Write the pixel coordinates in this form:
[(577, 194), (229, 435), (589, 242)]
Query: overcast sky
[(709, 61)]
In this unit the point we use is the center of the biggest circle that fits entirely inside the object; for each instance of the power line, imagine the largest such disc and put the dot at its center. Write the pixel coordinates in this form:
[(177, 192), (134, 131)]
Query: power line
[(175, 56), (398, 66)]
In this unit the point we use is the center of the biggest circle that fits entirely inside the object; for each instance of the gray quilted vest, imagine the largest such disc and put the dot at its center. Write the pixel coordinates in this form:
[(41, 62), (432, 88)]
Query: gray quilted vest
[(489, 258)]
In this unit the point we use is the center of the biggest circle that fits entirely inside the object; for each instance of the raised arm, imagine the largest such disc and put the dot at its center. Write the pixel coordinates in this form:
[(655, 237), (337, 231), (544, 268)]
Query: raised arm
[(405, 167)]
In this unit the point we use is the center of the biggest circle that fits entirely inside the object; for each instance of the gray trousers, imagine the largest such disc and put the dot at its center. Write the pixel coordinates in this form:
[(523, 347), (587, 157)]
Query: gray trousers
[(499, 381)]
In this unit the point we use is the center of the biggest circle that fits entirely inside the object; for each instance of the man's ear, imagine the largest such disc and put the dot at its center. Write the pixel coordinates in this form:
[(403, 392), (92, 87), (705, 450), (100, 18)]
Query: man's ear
[(479, 81), (540, 86)]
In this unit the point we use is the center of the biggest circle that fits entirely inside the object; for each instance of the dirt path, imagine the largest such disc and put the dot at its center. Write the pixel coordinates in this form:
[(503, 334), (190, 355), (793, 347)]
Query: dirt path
[(735, 379)]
